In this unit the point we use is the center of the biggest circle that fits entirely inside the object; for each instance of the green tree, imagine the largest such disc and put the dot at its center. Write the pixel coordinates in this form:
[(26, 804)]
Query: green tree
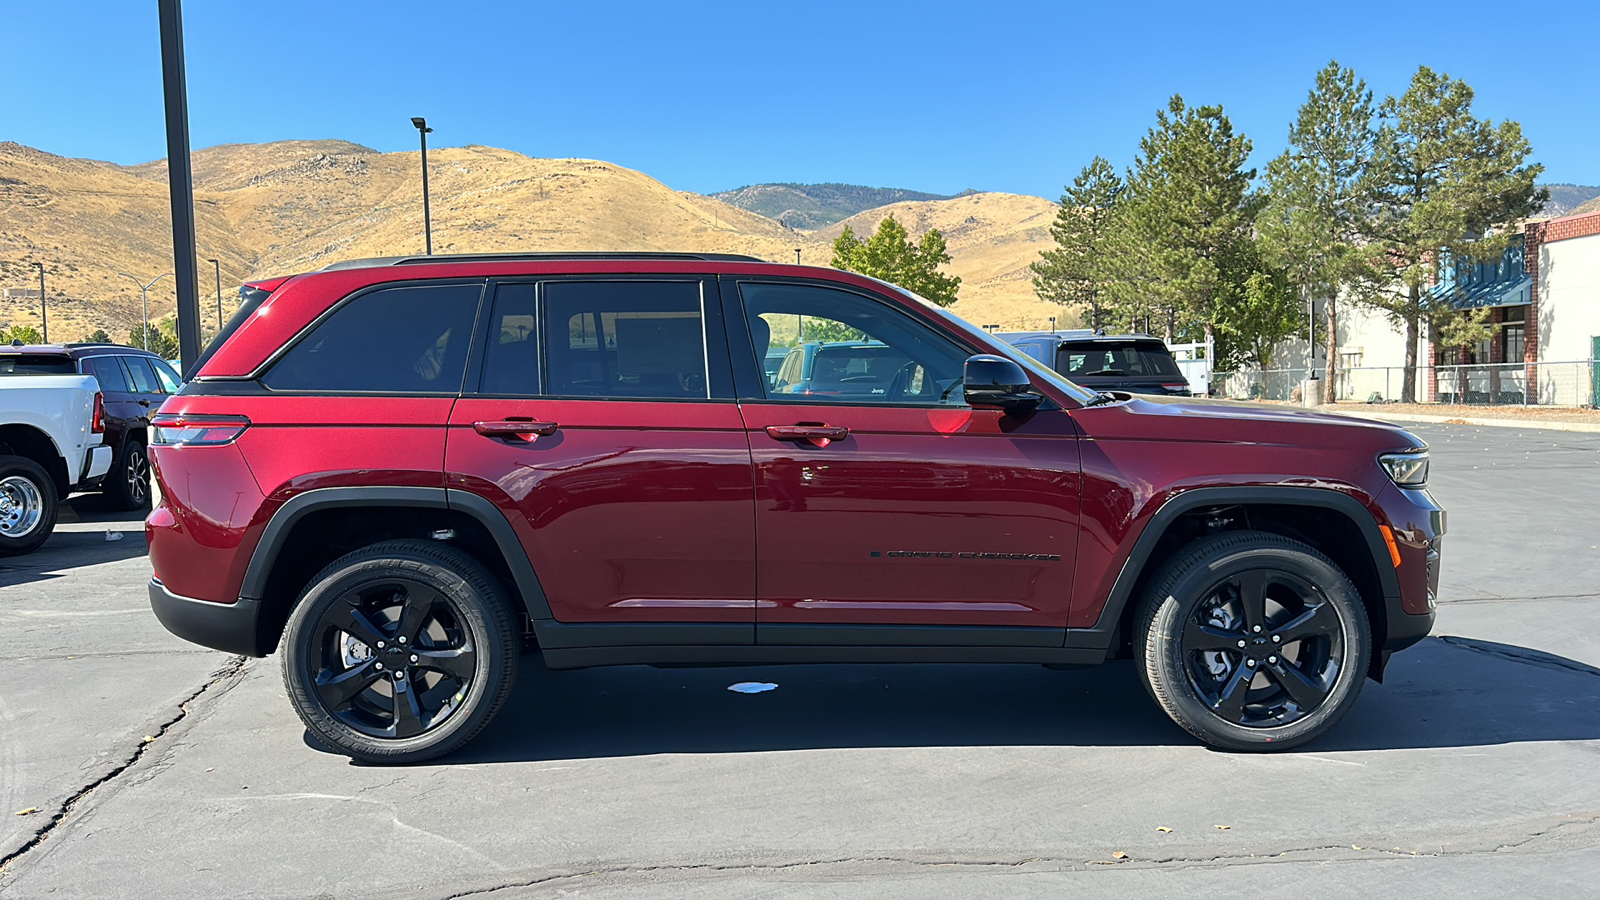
[(161, 342), (28, 334), (1321, 192), (1177, 247), (1449, 184), (99, 336), (1070, 274), (1250, 326), (890, 255)]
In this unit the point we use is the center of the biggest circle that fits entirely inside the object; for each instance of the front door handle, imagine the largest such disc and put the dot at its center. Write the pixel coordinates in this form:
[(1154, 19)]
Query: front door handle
[(818, 434), (512, 428)]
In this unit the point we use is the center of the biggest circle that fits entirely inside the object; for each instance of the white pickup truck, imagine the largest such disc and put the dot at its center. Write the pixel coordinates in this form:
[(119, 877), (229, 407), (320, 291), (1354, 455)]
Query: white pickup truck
[(50, 445)]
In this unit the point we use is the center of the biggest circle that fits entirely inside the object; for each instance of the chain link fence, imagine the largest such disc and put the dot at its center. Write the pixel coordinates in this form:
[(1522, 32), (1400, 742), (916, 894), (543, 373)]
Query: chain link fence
[(1494, 384)]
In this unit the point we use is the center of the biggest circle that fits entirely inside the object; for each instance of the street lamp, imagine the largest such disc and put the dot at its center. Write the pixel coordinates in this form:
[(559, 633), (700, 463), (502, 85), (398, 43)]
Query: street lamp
[(427, 224), (144, 299), (218, 267), (44, 311), (797, 256)]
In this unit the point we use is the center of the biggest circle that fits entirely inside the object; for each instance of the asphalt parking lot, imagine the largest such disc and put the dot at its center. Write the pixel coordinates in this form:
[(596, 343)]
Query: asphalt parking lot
[(159, 769)]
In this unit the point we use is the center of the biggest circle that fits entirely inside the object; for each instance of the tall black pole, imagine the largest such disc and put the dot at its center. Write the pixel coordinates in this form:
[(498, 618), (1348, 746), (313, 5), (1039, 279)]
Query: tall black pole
[(180, 183), (44, 309), (218, 267), (427, 214)]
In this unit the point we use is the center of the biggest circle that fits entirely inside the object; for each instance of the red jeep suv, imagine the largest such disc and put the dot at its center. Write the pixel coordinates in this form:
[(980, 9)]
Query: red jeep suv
[(397, 471)]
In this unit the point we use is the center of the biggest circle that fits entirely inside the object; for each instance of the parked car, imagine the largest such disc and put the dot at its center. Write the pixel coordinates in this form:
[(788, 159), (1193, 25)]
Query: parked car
[(134, 382), (396, 472), (840, 368), (51, 428), (1136, 363)]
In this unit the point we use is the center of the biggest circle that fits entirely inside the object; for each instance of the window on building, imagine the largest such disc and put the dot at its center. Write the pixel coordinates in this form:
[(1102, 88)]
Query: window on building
[(1515, 345)]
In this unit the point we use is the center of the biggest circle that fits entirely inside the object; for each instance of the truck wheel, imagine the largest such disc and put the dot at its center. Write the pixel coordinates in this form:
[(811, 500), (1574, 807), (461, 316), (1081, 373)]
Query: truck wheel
[(28, 505), (1252, 641), (128, 483), (400, 652)]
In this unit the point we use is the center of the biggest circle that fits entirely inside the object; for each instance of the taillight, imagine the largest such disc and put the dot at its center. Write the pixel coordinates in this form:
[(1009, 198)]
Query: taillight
[(97, 424), (1176, 386), (181, 430)]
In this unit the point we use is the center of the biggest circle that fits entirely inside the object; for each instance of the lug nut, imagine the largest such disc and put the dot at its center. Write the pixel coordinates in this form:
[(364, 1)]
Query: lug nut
[(1276, 638), (1256, 628), (1241, 645), (399, 676), (379, 666), (413, 657), (402, 639), (380, 645), (1250, 662), (1273, 660)]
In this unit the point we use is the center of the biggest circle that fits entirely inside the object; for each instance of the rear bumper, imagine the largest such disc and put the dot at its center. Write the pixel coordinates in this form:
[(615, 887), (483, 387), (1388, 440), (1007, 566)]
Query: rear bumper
[(229, 627), (96, 463)]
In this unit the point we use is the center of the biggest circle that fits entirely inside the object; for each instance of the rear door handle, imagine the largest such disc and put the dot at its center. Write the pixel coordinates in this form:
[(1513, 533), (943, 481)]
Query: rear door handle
[(523, 430), (819, 435)]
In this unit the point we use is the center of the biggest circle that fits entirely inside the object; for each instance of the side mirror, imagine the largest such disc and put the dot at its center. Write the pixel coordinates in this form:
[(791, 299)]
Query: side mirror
[(994, 382)]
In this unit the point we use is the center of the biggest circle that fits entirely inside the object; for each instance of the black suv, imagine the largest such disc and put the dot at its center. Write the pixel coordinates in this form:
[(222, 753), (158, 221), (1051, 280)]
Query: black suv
[(133, 382), (1135, 363)]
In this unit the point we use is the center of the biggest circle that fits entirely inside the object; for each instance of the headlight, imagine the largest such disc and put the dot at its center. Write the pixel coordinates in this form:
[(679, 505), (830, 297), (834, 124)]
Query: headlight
[(1409, 470)]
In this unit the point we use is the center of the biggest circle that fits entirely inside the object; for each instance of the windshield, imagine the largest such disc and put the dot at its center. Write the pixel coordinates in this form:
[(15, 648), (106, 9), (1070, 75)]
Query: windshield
[(1036, 369)]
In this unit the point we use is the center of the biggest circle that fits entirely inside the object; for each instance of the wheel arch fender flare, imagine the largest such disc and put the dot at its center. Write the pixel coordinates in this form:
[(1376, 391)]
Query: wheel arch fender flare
[(1104, 631), (480, 509)]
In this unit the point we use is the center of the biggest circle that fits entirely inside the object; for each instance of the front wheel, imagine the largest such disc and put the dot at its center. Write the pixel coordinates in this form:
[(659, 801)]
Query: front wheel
[(28, 505), (1252, 641), (400, 652)]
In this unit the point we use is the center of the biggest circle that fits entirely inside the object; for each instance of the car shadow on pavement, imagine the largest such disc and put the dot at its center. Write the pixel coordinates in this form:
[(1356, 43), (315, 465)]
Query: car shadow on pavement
[(79, 540), (1442, 693)]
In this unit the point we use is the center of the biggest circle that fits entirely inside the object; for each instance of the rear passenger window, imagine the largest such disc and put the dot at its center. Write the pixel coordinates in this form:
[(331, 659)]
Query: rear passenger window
[(106, 371), (393, 340), (170, 383), (624, 339), (511, 365)]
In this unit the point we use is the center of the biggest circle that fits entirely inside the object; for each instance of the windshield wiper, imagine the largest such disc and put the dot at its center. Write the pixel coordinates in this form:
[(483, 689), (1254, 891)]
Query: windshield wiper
[(1108, 372)]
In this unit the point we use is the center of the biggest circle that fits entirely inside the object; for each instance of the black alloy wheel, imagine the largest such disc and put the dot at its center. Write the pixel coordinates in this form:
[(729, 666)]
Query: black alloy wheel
[(1253, 641), (400, 652)]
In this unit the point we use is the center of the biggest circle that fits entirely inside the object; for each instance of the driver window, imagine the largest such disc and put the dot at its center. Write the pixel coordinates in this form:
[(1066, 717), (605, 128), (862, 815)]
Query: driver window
[(819, 345)]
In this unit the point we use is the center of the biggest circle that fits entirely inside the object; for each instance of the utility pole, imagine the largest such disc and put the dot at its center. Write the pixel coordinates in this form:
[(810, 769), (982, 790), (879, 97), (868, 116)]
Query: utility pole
[(180, 184), (145, 301), (218, 267), (427, 216), (44, 310)]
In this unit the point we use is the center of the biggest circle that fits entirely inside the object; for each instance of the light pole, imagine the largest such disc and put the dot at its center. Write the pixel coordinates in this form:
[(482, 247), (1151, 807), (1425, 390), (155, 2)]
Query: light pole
[(218, 267), (144, 299), (44, 310), (797, 256), (427, 224)]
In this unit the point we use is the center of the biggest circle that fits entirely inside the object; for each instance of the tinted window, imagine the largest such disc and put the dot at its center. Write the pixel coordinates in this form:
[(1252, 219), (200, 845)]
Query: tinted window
[(847, 348), (394, 340), (170, 382), (36, 364), (511, 365), (144, 380), (108, 372), (624, 339), (1114, 359)]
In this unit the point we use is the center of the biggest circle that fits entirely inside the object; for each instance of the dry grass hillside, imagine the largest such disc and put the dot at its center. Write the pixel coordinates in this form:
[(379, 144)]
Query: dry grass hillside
[(992, 238), (266, 209)]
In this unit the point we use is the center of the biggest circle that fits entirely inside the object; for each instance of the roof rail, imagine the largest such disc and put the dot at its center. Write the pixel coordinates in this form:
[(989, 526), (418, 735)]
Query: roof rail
[(525, 257)]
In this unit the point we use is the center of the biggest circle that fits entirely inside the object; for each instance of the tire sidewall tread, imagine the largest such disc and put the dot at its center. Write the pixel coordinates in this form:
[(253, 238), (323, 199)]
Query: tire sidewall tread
[(21, 465)]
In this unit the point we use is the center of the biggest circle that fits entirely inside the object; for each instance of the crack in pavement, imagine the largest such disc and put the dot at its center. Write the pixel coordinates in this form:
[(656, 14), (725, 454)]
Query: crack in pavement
[(1497, 598), (1519, 654), (1585, 826), (227, 676)]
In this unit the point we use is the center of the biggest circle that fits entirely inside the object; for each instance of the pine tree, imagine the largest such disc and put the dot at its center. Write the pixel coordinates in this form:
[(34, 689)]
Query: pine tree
[(1178, 241), (1069, 274), (1449, 185), (1322, 190), (890, 255)]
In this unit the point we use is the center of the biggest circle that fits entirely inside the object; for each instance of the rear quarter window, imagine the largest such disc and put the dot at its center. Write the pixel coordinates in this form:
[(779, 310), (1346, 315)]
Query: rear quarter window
[(409, 339)]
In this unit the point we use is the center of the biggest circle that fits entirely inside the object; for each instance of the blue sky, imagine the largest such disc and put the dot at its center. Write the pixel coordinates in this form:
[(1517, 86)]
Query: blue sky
[(935, 96)]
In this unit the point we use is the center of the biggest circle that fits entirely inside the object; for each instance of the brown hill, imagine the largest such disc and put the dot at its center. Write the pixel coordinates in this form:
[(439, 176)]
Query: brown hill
[(992, 238), (266, 209)]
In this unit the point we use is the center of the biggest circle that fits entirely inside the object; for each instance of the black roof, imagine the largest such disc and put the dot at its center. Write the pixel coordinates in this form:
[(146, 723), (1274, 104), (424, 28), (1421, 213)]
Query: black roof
[(77, 349), (1075, 335), (520, 257)]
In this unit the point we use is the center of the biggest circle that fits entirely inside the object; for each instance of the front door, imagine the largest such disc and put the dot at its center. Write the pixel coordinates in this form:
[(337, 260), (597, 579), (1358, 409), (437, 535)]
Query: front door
[(881, 498), (608, 434)]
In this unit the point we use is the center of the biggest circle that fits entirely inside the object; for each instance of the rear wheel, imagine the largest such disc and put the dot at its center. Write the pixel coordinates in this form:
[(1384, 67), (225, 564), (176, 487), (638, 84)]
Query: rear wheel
[(28, 505), (1252, 641), (128, 484), (400, 652)]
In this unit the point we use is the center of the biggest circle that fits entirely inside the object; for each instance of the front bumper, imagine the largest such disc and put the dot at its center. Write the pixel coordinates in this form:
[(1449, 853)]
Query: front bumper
[(229, 627), (1418, 525)]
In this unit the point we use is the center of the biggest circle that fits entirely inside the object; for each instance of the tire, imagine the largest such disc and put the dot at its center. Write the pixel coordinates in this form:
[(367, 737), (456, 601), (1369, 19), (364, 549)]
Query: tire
[(28, 505), (128, 482), (1308, 637), (348, 663)]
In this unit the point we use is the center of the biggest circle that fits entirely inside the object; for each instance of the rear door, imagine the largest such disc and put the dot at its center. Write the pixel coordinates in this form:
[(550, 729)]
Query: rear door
[(603, 424)]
